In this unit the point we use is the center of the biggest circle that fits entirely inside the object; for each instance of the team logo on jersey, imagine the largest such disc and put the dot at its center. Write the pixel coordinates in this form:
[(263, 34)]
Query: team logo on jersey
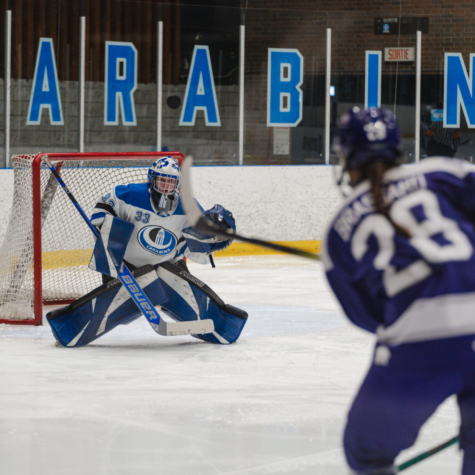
[(157, 240)]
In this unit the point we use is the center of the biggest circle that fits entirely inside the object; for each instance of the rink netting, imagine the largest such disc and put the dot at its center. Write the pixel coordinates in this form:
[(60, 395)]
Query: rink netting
[(67, 242)]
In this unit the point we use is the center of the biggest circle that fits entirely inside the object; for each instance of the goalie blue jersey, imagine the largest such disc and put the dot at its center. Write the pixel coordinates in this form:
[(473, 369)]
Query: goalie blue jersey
[(155, 238), (415, 288)]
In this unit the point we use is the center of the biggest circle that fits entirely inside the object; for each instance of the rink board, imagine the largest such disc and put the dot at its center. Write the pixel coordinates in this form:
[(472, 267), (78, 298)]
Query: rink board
[(81, 257), (275, 203)]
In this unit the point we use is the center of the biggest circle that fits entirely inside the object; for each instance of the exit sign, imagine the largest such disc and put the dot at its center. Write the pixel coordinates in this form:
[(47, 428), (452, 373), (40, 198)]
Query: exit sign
[(399, 54)]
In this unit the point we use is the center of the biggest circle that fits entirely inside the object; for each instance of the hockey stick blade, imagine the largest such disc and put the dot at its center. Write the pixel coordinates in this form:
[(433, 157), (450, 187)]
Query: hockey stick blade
[(427, 454), (194, 215), (195, 327)]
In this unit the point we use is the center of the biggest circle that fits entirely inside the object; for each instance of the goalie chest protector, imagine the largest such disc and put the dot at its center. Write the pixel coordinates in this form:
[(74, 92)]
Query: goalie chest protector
[(155, 239)]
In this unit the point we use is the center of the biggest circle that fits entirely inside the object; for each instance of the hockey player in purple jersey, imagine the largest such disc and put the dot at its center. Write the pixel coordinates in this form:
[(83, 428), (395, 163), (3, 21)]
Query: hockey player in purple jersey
[(399, 256)]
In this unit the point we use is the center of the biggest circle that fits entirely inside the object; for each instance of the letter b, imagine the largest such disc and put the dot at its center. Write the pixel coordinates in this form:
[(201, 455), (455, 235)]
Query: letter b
[(284, 96)]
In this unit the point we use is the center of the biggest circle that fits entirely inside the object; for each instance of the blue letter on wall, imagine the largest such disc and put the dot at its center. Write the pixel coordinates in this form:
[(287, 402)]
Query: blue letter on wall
[(284, 96), (458, 91), (200, 93), (45, 90), (120, 83), (372, 91)]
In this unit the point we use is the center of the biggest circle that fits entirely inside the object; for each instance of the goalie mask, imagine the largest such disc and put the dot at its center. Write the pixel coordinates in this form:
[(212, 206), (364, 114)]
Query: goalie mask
[(164, 181)]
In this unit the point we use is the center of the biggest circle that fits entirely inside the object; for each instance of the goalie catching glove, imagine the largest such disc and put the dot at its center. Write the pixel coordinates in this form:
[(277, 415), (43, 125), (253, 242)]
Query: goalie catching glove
[(198, 241)]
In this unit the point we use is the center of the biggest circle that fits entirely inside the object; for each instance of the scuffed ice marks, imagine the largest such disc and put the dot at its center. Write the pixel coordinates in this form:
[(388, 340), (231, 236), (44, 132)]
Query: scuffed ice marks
[(133, 402)]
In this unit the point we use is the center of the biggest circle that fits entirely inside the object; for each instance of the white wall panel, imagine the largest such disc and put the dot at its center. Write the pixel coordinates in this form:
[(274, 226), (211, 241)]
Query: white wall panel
[(281, 203)]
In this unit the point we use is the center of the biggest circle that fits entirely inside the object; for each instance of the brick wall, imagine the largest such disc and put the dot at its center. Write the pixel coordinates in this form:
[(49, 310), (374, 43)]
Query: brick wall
[(297, 24), (205, 143), (302, 24)]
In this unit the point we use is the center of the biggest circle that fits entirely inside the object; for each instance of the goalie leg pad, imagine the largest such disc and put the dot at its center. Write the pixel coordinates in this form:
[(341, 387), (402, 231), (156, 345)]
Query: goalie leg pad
[(190, 299), (100, 311)]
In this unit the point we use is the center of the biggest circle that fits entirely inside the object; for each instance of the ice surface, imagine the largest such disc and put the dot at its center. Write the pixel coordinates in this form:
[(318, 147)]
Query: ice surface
[(136, 403)]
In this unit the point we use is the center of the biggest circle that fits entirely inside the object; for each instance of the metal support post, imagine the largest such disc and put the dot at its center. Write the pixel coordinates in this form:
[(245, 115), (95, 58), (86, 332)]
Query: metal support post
[(417, 131), (82, 80), (327, 96), (241, 93), (159, 85), (8, 84)]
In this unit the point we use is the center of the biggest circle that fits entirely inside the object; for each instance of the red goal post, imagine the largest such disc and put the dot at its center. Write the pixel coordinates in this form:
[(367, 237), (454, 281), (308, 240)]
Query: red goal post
[(47, 245)]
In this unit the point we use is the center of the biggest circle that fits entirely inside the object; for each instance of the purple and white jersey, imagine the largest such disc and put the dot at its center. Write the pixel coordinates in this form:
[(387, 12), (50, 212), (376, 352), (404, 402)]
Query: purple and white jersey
[(415, 288)]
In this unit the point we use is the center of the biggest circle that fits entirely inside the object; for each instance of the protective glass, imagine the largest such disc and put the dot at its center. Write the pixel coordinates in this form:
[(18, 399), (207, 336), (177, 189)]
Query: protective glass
[(340, 173)]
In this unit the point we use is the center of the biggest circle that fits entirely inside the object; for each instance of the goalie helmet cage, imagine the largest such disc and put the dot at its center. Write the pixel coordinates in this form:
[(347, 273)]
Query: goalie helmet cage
[(47, 246)]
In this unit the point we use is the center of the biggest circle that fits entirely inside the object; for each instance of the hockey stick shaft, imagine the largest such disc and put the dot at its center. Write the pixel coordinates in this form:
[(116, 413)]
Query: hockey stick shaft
[(427, 454), (204, 225), (196, 219), (127, 279), (70, 196)]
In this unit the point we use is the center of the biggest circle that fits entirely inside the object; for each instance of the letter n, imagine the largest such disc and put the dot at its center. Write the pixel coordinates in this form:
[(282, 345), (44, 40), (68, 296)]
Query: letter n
[(458, 91)]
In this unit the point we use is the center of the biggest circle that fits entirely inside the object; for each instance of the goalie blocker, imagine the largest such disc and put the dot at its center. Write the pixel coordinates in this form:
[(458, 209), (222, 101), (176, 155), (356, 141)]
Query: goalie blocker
[(182, 296)]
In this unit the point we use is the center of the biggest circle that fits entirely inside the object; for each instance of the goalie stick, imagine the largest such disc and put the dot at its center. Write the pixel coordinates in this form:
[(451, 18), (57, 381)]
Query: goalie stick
[(131, 285), (198, 221)]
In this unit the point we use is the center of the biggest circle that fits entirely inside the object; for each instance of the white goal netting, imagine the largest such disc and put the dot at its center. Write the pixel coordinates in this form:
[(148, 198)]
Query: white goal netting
[(66, 240)]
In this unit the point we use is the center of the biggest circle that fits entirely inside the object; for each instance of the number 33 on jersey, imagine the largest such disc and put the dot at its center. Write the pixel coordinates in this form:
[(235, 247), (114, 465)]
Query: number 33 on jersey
[(155, 238), (430, 201)]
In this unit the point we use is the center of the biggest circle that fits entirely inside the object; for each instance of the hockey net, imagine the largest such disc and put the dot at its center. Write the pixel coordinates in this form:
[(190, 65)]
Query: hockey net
[(47, 246)]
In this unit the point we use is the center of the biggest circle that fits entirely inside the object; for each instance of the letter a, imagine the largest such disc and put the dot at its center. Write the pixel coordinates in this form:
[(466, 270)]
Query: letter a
[(200, 92), (45, 90)]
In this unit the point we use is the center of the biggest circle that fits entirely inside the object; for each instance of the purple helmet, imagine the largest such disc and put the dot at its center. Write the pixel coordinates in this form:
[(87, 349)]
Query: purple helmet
[(366, 136)]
